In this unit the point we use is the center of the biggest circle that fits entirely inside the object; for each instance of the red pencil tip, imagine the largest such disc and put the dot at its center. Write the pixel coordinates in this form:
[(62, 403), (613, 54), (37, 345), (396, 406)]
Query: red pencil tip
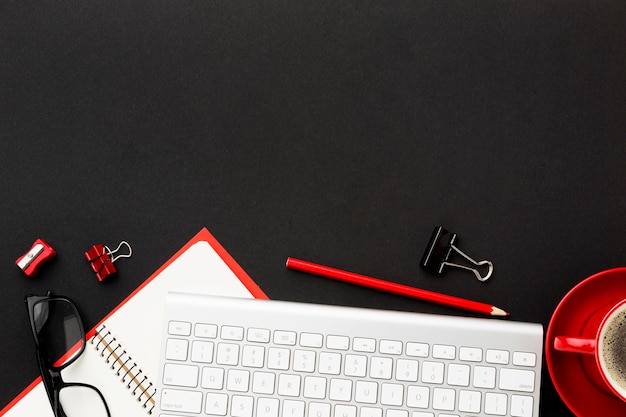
[(495, 311)]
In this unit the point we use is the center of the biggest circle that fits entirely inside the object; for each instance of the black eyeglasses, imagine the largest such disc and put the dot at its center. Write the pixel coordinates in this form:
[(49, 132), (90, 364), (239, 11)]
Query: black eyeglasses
[(60, 340)]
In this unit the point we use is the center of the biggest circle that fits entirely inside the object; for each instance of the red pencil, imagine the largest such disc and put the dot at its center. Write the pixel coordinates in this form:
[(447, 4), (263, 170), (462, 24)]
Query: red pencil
[(392, 287)]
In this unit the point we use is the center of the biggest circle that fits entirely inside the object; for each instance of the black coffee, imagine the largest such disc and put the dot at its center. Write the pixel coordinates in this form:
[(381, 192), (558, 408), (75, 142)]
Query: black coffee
[(614, 350)]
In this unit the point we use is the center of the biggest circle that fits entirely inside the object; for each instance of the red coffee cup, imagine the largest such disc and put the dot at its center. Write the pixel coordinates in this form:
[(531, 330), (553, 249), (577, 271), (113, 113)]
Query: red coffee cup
[(608, 347)]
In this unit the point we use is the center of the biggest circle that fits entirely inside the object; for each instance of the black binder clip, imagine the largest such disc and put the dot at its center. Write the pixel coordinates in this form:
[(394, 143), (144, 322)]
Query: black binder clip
[(101, 259), (439, 250)]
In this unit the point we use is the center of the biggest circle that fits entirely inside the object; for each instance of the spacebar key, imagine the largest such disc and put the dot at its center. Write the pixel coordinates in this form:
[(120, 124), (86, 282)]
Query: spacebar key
[(181, 401)]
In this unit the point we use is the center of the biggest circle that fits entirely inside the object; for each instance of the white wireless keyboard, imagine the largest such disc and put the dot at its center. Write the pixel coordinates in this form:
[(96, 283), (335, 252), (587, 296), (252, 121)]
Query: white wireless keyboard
[(261, 358)]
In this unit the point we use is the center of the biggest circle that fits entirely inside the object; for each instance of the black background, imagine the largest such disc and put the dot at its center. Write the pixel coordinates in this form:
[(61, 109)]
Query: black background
[(340, 132)]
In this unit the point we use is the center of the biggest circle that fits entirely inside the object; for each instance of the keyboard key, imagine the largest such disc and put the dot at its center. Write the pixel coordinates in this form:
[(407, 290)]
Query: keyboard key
[(292, 408), (330, 363), (444, 399), (345, 410), (337, 342), (444, 352), (407, 370), (282, 337), (458, 375), (390, 347), (397, 413), (258, 335), (314, 340), (180, 375), (278, 358), (179, 328), (484, 377), (319, 409), (517, 380), (203, 330), (202, 351), (363, 344), (253, 356), (216, 404), (181, 401), (242, 406), (289, 385), (314, 387), (417, 396), (371, 412), (304, 360), (470, 354), (232, 333), (366, 392), (212, 378), (238, 380), (500, 357), (263, 383), (340, 389), (419, 350), (381, 368), (521, 406), (267, 407), (432, 372), (227, 354), (392, 394), (524, 359), (495, 404), (176, 349), (469, 401), (356, 365)]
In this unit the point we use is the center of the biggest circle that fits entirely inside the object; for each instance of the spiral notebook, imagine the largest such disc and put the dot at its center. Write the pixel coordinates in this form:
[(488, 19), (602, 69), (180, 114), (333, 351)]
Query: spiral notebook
[(121, 357)]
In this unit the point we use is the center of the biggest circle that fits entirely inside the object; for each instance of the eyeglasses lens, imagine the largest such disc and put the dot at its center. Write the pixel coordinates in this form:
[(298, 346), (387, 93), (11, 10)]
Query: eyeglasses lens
[(74, 400), (58, 330)]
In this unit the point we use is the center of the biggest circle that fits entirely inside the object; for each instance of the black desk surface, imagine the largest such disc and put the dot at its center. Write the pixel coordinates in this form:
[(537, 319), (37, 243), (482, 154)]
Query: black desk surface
[(339, 132)]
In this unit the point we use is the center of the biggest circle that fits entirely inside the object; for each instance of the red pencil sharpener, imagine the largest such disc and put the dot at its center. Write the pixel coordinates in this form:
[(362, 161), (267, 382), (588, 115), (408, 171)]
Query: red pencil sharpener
[(37, 255)]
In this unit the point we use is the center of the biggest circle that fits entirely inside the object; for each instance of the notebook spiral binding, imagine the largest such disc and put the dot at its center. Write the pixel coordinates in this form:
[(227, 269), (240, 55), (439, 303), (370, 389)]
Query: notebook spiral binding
[(124, 366)]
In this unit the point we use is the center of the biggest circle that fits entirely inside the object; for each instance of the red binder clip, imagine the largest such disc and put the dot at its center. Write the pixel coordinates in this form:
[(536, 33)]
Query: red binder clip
[(36, 256), (101, 259)]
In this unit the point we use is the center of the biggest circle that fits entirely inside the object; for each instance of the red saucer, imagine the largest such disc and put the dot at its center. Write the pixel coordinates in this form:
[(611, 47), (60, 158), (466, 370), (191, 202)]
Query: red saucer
[(575, 376)]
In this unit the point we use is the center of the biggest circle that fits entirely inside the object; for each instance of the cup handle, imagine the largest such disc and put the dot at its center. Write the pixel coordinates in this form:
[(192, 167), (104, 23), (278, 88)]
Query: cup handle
[(575, 345)]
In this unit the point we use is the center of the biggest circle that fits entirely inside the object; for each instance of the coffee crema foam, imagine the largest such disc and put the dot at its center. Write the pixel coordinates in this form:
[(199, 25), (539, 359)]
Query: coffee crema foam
[(614, 350)]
